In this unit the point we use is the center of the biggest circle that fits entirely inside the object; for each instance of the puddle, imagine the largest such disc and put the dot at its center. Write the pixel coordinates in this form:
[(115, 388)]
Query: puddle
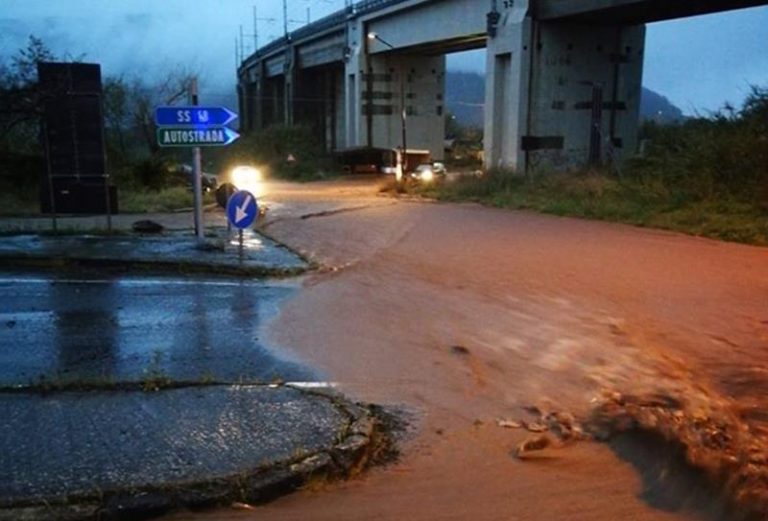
[(113, 329)]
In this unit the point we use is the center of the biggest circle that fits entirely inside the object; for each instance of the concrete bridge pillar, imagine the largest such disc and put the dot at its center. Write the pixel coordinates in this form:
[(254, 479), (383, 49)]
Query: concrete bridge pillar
[(561, 94), (379, 86), (290, 79), (251, 94)]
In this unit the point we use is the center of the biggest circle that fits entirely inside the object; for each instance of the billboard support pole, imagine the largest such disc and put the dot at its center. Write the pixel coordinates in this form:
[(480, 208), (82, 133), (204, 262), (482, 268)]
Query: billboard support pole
[(51, 196)]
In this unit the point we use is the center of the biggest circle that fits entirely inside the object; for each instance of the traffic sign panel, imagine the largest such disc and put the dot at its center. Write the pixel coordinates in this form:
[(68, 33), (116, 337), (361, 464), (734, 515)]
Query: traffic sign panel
[(242, 209), (195, 136), (181, 116)]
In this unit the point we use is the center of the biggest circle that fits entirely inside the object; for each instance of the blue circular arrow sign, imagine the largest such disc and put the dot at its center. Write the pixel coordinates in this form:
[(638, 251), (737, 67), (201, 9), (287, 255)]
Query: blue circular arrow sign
[(242, 209)]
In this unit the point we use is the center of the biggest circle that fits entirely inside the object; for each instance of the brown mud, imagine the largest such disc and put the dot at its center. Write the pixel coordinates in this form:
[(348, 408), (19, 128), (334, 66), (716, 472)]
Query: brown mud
[(464, 315)]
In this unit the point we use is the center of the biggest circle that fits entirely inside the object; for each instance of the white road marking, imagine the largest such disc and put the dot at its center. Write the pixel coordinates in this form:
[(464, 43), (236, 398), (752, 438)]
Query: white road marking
[(128, 282)]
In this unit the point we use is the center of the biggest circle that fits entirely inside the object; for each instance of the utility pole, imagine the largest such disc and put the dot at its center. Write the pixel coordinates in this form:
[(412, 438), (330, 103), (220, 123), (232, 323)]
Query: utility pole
[(403, 106), (255, 28), (285, 18), (242, 49), (256, 21)]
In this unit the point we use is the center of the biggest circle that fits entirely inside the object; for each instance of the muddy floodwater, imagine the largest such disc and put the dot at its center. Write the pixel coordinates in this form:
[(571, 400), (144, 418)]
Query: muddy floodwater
[(647, 327)]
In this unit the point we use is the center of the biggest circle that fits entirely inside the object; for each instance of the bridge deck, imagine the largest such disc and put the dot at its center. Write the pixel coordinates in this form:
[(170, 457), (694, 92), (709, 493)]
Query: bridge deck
[(633, 11)]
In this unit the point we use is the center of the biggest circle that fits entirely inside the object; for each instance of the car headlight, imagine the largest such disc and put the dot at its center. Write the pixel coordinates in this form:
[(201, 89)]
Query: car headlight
[(427, 176), (247, 178)]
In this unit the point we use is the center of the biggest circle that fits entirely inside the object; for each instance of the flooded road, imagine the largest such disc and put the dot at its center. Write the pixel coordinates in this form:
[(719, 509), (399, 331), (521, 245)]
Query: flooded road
[(107, 329), (462, 315)]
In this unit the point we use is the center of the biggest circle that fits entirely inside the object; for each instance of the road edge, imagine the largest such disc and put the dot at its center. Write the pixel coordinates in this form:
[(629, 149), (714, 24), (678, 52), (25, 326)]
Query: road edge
[(363, 439)]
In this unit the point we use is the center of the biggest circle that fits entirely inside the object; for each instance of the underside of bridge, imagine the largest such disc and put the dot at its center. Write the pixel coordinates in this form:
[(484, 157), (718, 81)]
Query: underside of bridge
[(632, 11), (319, 103), (563, 77), (391, 83)]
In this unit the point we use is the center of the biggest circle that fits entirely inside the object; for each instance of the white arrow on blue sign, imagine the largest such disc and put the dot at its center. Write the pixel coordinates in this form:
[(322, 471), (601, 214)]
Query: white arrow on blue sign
[(200, 136), (185, 116), (242, 209)]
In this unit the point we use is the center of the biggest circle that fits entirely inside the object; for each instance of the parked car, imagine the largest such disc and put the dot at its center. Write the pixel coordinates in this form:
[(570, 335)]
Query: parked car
[(208, 181), (429, 172)]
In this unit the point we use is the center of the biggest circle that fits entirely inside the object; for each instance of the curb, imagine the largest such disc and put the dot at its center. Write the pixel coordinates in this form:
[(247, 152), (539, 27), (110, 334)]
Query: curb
[(164, 267), (360, 442)]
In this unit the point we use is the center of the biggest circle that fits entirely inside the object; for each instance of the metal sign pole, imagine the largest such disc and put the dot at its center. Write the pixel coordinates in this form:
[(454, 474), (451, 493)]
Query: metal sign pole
[(197, 172), (107, 198), (51, 195)]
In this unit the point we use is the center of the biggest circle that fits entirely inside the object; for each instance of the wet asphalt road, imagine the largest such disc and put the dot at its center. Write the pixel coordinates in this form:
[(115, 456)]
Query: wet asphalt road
[(65, 328)]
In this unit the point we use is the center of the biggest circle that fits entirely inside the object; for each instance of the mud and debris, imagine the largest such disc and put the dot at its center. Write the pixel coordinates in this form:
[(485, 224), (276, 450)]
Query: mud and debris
[(713, 439), (703, 428), (459, 350)]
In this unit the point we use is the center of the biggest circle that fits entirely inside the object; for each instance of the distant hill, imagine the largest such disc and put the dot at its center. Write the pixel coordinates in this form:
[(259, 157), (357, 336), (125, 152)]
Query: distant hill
[(465, 99), (658, 108)]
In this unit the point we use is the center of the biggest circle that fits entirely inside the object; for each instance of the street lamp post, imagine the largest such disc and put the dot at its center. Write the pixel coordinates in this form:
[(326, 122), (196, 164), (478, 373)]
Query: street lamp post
[(403, 111)]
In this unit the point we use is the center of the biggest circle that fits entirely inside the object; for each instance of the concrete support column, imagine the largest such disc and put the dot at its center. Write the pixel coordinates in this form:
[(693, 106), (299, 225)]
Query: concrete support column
[(258, 102), (354, 71), (242, 106), (339, 108), (414, 83), (387, 84), (507, 88), (289, 96), (561, 94), (333, 108)]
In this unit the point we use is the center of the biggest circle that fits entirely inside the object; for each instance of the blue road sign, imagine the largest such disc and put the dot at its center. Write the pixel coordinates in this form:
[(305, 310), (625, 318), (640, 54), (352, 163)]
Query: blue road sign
[(200, 136), (242, 209), (191, 116)]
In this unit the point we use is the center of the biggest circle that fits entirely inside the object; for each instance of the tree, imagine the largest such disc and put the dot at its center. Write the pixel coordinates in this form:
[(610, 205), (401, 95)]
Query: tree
[(116, 114), (19, 96), (24, 64)]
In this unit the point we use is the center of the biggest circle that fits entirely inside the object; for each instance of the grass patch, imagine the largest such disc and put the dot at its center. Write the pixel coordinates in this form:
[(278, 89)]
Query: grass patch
[(270, 148), (634, 201), (13, 203), (170, 199), (157, 201)]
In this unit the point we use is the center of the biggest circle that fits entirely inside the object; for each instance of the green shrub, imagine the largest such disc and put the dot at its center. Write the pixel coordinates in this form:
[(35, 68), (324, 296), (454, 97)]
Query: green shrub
[(165, 200), (724, 155), (270, 149), (151, 173)]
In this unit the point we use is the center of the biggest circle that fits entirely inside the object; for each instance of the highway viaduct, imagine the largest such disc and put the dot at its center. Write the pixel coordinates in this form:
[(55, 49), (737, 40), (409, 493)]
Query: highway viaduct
[(563, 77)]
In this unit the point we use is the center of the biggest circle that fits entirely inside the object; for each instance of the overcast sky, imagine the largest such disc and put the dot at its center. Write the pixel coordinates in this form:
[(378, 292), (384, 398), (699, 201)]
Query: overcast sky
[(698, 63)]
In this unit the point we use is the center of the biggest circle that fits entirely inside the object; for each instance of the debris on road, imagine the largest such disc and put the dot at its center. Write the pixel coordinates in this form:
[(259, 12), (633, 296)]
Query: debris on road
[(534, 443), (147, 226), (707, 429), (535, 426), (459, 350), (704, 426)]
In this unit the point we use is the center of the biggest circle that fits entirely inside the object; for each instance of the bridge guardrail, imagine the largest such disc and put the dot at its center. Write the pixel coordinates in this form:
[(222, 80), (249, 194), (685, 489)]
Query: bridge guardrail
[(366, 6), (327, 22)]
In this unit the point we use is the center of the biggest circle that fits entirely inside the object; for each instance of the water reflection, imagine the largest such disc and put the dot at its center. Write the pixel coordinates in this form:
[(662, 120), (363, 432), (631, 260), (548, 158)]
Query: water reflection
[(120, 329), (85, 329)]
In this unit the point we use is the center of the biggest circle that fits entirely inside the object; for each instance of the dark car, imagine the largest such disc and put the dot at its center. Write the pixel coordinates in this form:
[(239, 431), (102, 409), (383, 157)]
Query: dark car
[(208, 181)]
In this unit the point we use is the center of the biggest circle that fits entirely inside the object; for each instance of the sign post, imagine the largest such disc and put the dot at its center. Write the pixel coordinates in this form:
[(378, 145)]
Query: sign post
[(197, 178), (195, 126)]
